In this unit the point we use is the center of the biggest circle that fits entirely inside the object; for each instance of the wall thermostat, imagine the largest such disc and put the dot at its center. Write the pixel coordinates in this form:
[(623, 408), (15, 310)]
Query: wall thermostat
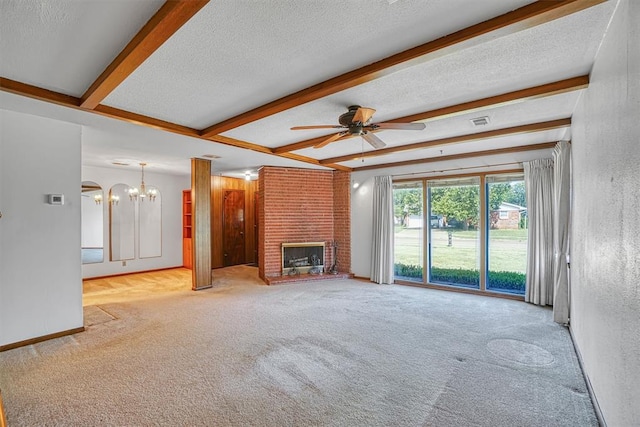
[(56, 199)]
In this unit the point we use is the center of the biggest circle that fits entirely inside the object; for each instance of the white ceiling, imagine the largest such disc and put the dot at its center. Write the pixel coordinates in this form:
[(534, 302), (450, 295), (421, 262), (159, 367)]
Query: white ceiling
[(236, 55)]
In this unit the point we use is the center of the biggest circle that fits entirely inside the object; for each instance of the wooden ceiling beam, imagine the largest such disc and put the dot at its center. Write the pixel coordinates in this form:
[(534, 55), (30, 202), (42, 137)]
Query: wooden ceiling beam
[(541, 91), (534, 127), (498, 151), (29, 91), (238, 143), (303, 144), (141, 120), (536, 92), (528, 16), (313, 161), (266, 150), (34, 92), (166, 21)]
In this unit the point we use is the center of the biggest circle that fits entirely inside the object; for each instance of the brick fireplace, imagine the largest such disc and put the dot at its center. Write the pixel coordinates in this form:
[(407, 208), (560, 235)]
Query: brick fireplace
[(303, 205)]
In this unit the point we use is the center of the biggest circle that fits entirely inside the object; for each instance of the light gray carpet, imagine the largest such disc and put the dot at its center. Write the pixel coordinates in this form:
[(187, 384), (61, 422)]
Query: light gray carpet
[(328, 353)]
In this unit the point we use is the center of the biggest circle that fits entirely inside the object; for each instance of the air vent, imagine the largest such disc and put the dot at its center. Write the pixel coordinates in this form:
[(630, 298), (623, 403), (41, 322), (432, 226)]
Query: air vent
[(120, 163), (480, 121), (210, 156)]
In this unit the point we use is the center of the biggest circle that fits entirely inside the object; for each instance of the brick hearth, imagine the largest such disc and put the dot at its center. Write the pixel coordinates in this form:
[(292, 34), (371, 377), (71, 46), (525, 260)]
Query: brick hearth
[(280, 280)]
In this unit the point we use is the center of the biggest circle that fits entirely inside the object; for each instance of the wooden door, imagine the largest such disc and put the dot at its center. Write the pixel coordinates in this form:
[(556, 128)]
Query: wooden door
[(233, 227), (256, 230)]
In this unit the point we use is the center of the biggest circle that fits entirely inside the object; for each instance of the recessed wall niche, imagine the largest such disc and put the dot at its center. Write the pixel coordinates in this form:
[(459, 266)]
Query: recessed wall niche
[(150, 224), (122, 215), (132, 214), (92, 223)]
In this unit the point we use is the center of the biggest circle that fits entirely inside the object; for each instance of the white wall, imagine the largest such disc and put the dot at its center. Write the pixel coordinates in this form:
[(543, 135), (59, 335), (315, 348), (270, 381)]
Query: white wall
[(171, 187), (362, 222), (605, 248), (40, 277)]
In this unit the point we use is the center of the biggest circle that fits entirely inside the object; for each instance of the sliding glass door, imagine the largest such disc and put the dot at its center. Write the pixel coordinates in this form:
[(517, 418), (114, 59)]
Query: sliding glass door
[(408, 204), (473, 233), (454, 233), (507, 233)]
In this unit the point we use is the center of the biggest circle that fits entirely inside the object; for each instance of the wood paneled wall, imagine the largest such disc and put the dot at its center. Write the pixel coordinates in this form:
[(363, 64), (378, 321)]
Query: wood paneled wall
[(201, 223), (218, 185), (3, 419)]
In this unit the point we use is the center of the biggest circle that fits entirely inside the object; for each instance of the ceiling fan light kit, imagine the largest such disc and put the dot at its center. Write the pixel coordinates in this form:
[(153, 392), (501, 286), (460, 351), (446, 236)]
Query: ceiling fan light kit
[(357, 122)]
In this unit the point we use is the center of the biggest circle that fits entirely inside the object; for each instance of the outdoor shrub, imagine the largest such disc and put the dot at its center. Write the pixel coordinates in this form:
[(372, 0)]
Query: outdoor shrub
[(507, 280), (458, 276), (500, 280), (408, 271)]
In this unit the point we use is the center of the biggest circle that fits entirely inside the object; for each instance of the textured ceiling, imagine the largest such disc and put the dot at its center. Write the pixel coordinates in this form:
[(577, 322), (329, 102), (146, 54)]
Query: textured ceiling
[(63, 45), (236, 55)]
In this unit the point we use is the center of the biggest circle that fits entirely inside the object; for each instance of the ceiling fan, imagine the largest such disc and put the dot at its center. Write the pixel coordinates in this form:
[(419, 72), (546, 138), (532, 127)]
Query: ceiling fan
[(357, 121)]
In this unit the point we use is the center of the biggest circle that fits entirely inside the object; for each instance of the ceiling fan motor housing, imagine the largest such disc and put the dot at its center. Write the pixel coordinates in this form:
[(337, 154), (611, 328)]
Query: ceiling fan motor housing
[(346, 119), (356, 129)]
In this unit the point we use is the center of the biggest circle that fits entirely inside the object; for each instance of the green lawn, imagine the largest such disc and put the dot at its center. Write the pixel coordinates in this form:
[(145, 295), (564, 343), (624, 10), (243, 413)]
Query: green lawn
[(507, 249)]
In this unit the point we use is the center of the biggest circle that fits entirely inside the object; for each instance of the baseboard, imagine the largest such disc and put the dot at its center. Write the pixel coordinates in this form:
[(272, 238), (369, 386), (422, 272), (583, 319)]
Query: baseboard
[(131, 272), (592, 394), (35, 340)]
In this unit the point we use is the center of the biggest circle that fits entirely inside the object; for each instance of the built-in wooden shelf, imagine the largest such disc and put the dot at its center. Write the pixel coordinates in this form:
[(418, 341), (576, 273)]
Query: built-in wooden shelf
[(187, 255)]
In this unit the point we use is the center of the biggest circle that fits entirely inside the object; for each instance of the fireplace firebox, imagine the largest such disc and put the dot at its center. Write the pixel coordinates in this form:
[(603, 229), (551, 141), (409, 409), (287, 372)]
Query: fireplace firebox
[(305, 257)]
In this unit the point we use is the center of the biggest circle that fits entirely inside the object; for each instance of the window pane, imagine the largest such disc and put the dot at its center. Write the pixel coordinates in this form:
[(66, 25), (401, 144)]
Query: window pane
[(454, 237), (408, 241), (507, 235)]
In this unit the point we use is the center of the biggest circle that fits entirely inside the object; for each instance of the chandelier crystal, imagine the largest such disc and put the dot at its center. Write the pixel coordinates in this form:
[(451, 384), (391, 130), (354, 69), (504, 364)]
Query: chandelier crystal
[(142, 192)]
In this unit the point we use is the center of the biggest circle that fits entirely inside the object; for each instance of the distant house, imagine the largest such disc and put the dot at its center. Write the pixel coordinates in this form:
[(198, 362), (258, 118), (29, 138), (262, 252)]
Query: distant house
[(414, 221), (507, 217)]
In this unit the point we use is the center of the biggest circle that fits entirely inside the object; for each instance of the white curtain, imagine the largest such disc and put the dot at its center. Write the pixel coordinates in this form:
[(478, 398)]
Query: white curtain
[(538, 178), (561, 210), (382, 244)]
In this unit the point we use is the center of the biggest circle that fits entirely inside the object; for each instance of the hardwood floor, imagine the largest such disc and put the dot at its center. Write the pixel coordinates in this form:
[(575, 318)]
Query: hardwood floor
[(135, 286)]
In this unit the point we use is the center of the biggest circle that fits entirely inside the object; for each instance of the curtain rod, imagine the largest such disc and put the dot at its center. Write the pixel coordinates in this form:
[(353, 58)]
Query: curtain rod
[(519, 164)]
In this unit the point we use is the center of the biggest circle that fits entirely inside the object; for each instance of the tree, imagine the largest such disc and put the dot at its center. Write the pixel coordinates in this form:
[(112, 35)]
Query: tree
[(518, 194), (498, 193), (461, 203), (407, 201)]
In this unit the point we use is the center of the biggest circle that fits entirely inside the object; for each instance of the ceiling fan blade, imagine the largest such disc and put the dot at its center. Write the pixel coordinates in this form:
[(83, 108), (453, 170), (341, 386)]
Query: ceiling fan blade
[(329, 140), (373, 140), (400, 126), (363, 115), (317, 127)]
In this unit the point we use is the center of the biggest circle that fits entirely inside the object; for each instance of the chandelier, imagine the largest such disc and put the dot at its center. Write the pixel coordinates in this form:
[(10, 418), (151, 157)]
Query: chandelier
[(142, 192)]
